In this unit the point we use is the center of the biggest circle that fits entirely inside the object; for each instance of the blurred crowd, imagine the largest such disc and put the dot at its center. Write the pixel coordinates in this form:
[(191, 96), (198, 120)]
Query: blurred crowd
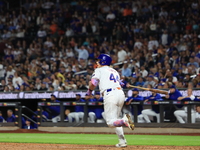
[(53, 44)]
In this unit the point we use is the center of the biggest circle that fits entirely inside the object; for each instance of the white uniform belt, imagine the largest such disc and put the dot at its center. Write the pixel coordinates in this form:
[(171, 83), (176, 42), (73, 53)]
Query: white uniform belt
[(108, 90)]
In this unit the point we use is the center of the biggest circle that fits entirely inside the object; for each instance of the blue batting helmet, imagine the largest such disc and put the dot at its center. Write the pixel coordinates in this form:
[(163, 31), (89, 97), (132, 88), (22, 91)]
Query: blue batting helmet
[(104, 59)]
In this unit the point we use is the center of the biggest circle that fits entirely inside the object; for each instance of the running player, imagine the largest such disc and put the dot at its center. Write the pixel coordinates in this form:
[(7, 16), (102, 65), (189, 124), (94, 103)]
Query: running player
[(108, 80)]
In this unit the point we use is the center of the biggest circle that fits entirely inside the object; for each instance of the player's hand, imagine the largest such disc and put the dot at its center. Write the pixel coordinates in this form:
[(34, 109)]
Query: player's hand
[(121, 82), (127, 85), (129, 102), (166, 96), (145, 100)]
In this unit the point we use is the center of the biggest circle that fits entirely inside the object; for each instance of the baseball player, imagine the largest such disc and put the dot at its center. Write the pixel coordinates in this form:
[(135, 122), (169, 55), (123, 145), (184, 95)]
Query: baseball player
[(91, 110), (11, 116), (135, 97), (173, 95), (155, 108), (28, 125), (55, 110), (108, 80), (181, 115), (98, 109), (1, 117), (197, 112), (79, 111)]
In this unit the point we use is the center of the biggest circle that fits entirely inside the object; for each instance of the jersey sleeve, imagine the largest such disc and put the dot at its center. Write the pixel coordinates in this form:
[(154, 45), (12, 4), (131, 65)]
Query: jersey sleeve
[(157, 97), (96, 74), (138, 98), (128, 99)]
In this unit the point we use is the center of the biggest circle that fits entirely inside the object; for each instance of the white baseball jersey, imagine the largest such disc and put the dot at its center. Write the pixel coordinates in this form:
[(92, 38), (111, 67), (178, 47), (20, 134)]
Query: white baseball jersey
[(108, 78)]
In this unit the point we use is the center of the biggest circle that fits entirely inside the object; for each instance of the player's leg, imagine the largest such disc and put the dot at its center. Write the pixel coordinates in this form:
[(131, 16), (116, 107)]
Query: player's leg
[(80, 116), (126, 109), (71, 116), (148, 112), (141, 119), (120, 133), (103, 115), (110, 110), (119, 130), (193, 117), (112, 102), (180, 115), (56, 119), (145, 115), (92, 117)]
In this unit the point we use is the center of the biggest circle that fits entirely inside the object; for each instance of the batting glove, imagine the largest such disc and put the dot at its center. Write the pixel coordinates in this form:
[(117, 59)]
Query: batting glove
[(121, 83)]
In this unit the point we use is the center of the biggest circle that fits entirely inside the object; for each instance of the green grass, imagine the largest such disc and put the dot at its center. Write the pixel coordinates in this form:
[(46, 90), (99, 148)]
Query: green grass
[(100, 139)]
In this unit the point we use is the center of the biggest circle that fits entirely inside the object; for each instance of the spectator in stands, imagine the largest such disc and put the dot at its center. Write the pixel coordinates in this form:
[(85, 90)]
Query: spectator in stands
[(143, 71), (78, 114), (122, 55), (192, 62), (127, 11), (55, 82), (2, 85), (17, 81), (9, 72), (41, 33), (2, 72), (150, 80), (82, 53), (126, 72), (10, 116), (133, 80), (80, 85), (110, 15), (21, 43), (140, 82)]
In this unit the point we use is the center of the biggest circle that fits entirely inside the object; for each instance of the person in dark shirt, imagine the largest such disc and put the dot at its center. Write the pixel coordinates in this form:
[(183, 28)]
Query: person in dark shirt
[(135, 98), (155, 108), (55, 110), (91, 110), (11, 117), (2, 85), (43, 87), (28, 125), (173, 95), (1, 117), (181, 115), (79, 111), (98, 109)]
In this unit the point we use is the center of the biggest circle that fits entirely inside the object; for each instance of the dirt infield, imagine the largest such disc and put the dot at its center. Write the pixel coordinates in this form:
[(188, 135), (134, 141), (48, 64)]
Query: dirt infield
[(37, 146), (25, 146)]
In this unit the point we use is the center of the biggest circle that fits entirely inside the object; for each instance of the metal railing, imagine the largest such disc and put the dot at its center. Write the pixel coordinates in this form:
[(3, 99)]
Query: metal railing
[(161, 105)]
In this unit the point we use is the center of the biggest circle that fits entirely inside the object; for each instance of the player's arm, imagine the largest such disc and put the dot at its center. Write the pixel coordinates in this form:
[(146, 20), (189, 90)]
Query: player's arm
[(94, 81), (184, 97), (92, 85), (138, 98)]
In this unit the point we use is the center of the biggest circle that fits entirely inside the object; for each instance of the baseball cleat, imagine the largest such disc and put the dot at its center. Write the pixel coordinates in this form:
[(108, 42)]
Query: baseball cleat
[(128, 122), (121, 145)]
